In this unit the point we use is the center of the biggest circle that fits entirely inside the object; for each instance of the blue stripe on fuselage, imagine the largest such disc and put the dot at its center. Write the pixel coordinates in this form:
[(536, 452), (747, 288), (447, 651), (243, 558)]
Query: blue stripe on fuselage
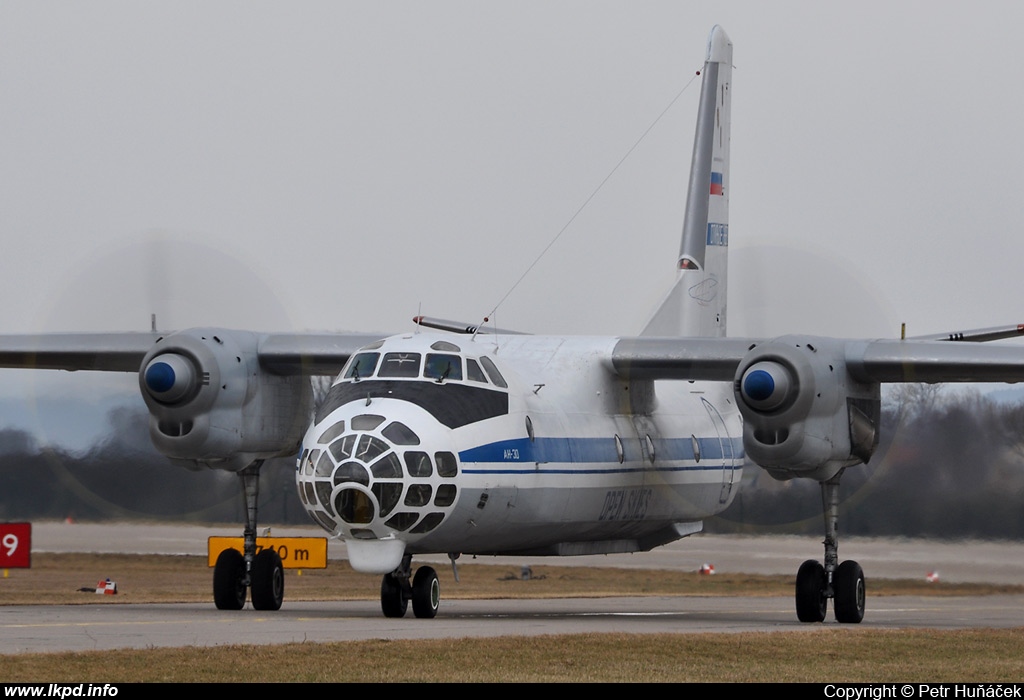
[(597, 451)]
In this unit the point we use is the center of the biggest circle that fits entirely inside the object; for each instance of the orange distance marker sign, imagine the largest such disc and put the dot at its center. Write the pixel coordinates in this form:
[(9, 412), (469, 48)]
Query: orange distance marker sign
[(15, 545), (295, 552)]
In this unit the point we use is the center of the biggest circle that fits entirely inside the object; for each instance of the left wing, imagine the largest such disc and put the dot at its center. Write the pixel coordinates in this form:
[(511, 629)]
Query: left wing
[(947, 357), (940, 358), (812, 405)]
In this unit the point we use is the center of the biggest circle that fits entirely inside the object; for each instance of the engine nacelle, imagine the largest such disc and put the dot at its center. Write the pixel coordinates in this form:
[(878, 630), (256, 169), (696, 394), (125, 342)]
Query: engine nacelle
[(211, 403), (804, 415)]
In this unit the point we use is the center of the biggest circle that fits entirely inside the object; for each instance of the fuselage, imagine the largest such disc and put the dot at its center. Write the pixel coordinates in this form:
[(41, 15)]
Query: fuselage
[(515, 444)]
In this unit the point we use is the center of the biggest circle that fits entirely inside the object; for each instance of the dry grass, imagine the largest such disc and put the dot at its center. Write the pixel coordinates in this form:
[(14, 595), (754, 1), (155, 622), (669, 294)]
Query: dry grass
[(55, 579), (838, 654)]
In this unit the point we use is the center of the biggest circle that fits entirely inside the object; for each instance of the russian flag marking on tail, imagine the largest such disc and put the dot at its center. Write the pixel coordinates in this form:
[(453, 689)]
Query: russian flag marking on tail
[(716, 183)]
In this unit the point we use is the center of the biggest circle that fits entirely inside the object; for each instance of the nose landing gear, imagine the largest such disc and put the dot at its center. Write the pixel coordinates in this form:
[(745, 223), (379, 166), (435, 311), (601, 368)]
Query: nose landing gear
[(424, 591)]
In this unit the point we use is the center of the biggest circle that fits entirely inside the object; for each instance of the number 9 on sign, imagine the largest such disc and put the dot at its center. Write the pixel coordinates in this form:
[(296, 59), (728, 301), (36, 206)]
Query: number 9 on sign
[(15, 545)]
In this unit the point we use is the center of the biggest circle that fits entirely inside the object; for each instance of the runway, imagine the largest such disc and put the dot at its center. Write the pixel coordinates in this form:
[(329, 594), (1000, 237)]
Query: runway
[(98, 627), (94, 627)]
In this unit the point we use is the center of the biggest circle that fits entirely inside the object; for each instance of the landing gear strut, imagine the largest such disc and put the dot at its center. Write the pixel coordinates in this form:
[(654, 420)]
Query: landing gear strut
[(424, 591), (261, 574), (843, 583)]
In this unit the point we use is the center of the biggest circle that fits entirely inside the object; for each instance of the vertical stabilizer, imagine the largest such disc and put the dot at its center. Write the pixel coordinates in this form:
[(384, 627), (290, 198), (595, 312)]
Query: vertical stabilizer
[(696, 304)]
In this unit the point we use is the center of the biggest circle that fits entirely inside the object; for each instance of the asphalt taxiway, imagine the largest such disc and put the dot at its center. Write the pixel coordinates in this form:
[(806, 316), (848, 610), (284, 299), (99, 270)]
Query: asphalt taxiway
[(97, 627), (94, 627)]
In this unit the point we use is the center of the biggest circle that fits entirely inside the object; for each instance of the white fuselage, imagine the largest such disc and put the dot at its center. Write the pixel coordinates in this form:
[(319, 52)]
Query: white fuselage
[(566, 458)]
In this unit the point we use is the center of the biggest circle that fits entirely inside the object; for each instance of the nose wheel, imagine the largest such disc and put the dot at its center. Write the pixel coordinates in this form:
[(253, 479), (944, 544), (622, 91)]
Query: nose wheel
[(424, 590)]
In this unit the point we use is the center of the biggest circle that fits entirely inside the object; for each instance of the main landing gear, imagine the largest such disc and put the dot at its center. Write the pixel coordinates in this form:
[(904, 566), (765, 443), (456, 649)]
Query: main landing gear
[(843, 583), (262, 575), (396, 591)]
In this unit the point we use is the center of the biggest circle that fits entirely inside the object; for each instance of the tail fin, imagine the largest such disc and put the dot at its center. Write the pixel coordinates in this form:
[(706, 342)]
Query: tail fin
[(696, 304)]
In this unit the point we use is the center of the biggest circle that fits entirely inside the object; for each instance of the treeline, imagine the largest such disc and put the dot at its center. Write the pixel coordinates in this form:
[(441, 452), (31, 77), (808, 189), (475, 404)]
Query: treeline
[(124, 477), (950, 464)]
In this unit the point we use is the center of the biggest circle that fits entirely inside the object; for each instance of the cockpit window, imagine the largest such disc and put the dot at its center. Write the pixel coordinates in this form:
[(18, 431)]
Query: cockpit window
[(445, 346), (400, 364), (362, 365), (473, 371), (493, 372), (443, 367)]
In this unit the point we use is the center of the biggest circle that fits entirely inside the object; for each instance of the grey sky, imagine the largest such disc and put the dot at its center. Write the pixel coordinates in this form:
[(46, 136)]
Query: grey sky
[(342, 165)]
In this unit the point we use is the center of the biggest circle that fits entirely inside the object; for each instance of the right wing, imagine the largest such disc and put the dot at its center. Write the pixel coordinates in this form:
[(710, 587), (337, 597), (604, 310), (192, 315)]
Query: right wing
[(221, 398), (279, 353)]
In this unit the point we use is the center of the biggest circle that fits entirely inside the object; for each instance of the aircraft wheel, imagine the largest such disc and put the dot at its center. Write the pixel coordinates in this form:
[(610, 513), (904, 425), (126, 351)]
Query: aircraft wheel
[(426, 592), (848, 583), (810, 592), (267, 581), (229, 580), (392, 601)]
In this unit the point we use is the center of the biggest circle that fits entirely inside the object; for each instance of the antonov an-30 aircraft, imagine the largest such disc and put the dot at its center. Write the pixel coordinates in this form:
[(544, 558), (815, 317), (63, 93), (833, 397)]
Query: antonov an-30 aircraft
[(458, 439)]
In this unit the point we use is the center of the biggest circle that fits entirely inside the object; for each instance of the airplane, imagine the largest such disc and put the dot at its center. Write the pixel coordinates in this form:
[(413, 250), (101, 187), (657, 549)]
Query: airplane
[(464, 439)]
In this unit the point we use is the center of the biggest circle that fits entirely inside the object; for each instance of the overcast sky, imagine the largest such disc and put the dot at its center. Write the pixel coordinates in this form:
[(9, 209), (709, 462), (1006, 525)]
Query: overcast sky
[(346, 165)]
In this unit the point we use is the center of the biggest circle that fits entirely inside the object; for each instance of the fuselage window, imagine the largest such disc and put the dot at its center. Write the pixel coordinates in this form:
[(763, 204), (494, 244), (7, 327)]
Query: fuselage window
[(493, 373), (400, 364), (418, 495), (446, 464), (310, 461), (400, 434), (370, 448), (354, 507), (388, 467), (342, 449), (445, 495), (332, 432), (362, 365), (429, 522), (402, 521), (366, 421), (473, 371), (442, 367), (387, 494), (351, 471), (418, 464)]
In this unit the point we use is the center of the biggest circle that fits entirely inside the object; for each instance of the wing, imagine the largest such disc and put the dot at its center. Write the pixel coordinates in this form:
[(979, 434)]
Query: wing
[(221, 398), (106, 352), (953, 357), (279, 353), (812, 405)]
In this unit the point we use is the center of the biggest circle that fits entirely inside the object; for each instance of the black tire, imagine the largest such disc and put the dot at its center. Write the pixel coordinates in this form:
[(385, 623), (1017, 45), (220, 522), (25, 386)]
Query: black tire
[(850, 594), (229, 580), (392, 601), (426, 593), (811, 602), (267, 586)]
